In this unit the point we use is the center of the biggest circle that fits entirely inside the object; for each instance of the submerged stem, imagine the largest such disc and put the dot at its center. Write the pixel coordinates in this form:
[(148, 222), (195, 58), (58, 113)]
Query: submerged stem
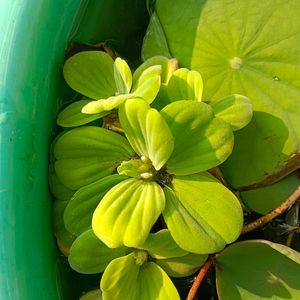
[(203, 271)]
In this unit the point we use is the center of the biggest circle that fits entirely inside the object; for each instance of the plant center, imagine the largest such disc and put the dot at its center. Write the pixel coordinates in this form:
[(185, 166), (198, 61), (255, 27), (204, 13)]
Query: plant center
[(140, 257)]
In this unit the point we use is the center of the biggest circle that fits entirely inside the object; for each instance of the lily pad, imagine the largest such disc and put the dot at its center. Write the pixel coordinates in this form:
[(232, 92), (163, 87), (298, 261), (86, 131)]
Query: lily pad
[(265, 199), (88, 255), (201, 141), (241, 48), (257, 269), (91, 73), (127, 212), (146, 131), (202, 214), (146, 282), (87, 154), (79, 211)]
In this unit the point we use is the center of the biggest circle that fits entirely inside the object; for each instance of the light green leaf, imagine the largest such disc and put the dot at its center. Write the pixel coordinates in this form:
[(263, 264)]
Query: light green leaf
[(204, 223), (122, 75), (146, 283), (99, 106), (241, 47), (168, 67), (257, 269), (79, 211), (63, 236), (91, 73), (59, 191), (72, 116), (121, 274), (161, 245), (235, 110), (263, 200), (148, 84), (182, 266), (201, 141), (127, 212), (185, 85), (87, 154), (92, 295), (88, 255), (146, 131)]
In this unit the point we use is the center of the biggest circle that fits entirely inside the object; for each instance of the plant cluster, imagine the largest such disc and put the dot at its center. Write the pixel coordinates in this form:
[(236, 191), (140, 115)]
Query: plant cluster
[(136, 197)]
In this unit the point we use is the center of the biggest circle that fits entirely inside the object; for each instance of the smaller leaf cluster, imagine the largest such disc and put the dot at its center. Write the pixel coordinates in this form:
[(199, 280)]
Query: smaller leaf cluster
[(114, 188)]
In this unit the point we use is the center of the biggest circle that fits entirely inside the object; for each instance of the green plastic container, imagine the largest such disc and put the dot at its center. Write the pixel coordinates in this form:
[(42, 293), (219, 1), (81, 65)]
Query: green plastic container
[(34, 35)]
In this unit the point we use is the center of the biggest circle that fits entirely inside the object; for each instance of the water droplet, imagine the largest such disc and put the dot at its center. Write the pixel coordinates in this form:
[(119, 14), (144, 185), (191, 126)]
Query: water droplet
[(276, 78), (236, 63)]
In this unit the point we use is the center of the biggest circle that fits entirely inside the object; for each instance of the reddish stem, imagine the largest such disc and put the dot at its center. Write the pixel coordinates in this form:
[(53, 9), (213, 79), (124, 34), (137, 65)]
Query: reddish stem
[(203, 271)]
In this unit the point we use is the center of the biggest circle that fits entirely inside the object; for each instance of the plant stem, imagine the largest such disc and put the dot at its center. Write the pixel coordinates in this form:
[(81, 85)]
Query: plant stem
[(203, 271), (273, 213)]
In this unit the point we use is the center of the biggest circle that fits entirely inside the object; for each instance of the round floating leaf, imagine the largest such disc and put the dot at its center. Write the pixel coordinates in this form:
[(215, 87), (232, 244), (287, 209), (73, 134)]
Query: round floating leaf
[(127, 212), (146, 131), (185, 85), (91, 73), (64, 237), (87, 154), (265, 199), (257, 269), (201, 141), (79, 211), (148, 84), (202, 214), (162, 245), (59, 191), (147, 282), (235, 110), (241, 47), (182, 266), (123, 76), (72, 116), (98, 106), (88, 255)]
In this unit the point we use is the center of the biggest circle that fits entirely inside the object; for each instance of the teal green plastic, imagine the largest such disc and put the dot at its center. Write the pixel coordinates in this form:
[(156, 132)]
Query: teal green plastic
[(34, 35)]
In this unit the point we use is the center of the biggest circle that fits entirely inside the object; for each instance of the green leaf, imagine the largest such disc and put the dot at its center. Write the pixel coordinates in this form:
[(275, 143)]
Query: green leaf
[(88, 255), (146, 283), (161, 245), (146, 131), (206, 223), (92, 295), (148, 84), (263, 200), (102, 105), (185, 85), (182, 266), (72, 116), (168, 67), (91, 73), (235, 110), (201, 141), (87, 154), (155, 42), (59, 191), (63, 236), (258, 270), (233, 45), (127, 212), (79, 211), (122, 75)]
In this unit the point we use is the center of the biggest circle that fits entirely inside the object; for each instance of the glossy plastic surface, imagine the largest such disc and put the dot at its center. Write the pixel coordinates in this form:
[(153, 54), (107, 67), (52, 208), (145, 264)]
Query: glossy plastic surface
[(34, 35)]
